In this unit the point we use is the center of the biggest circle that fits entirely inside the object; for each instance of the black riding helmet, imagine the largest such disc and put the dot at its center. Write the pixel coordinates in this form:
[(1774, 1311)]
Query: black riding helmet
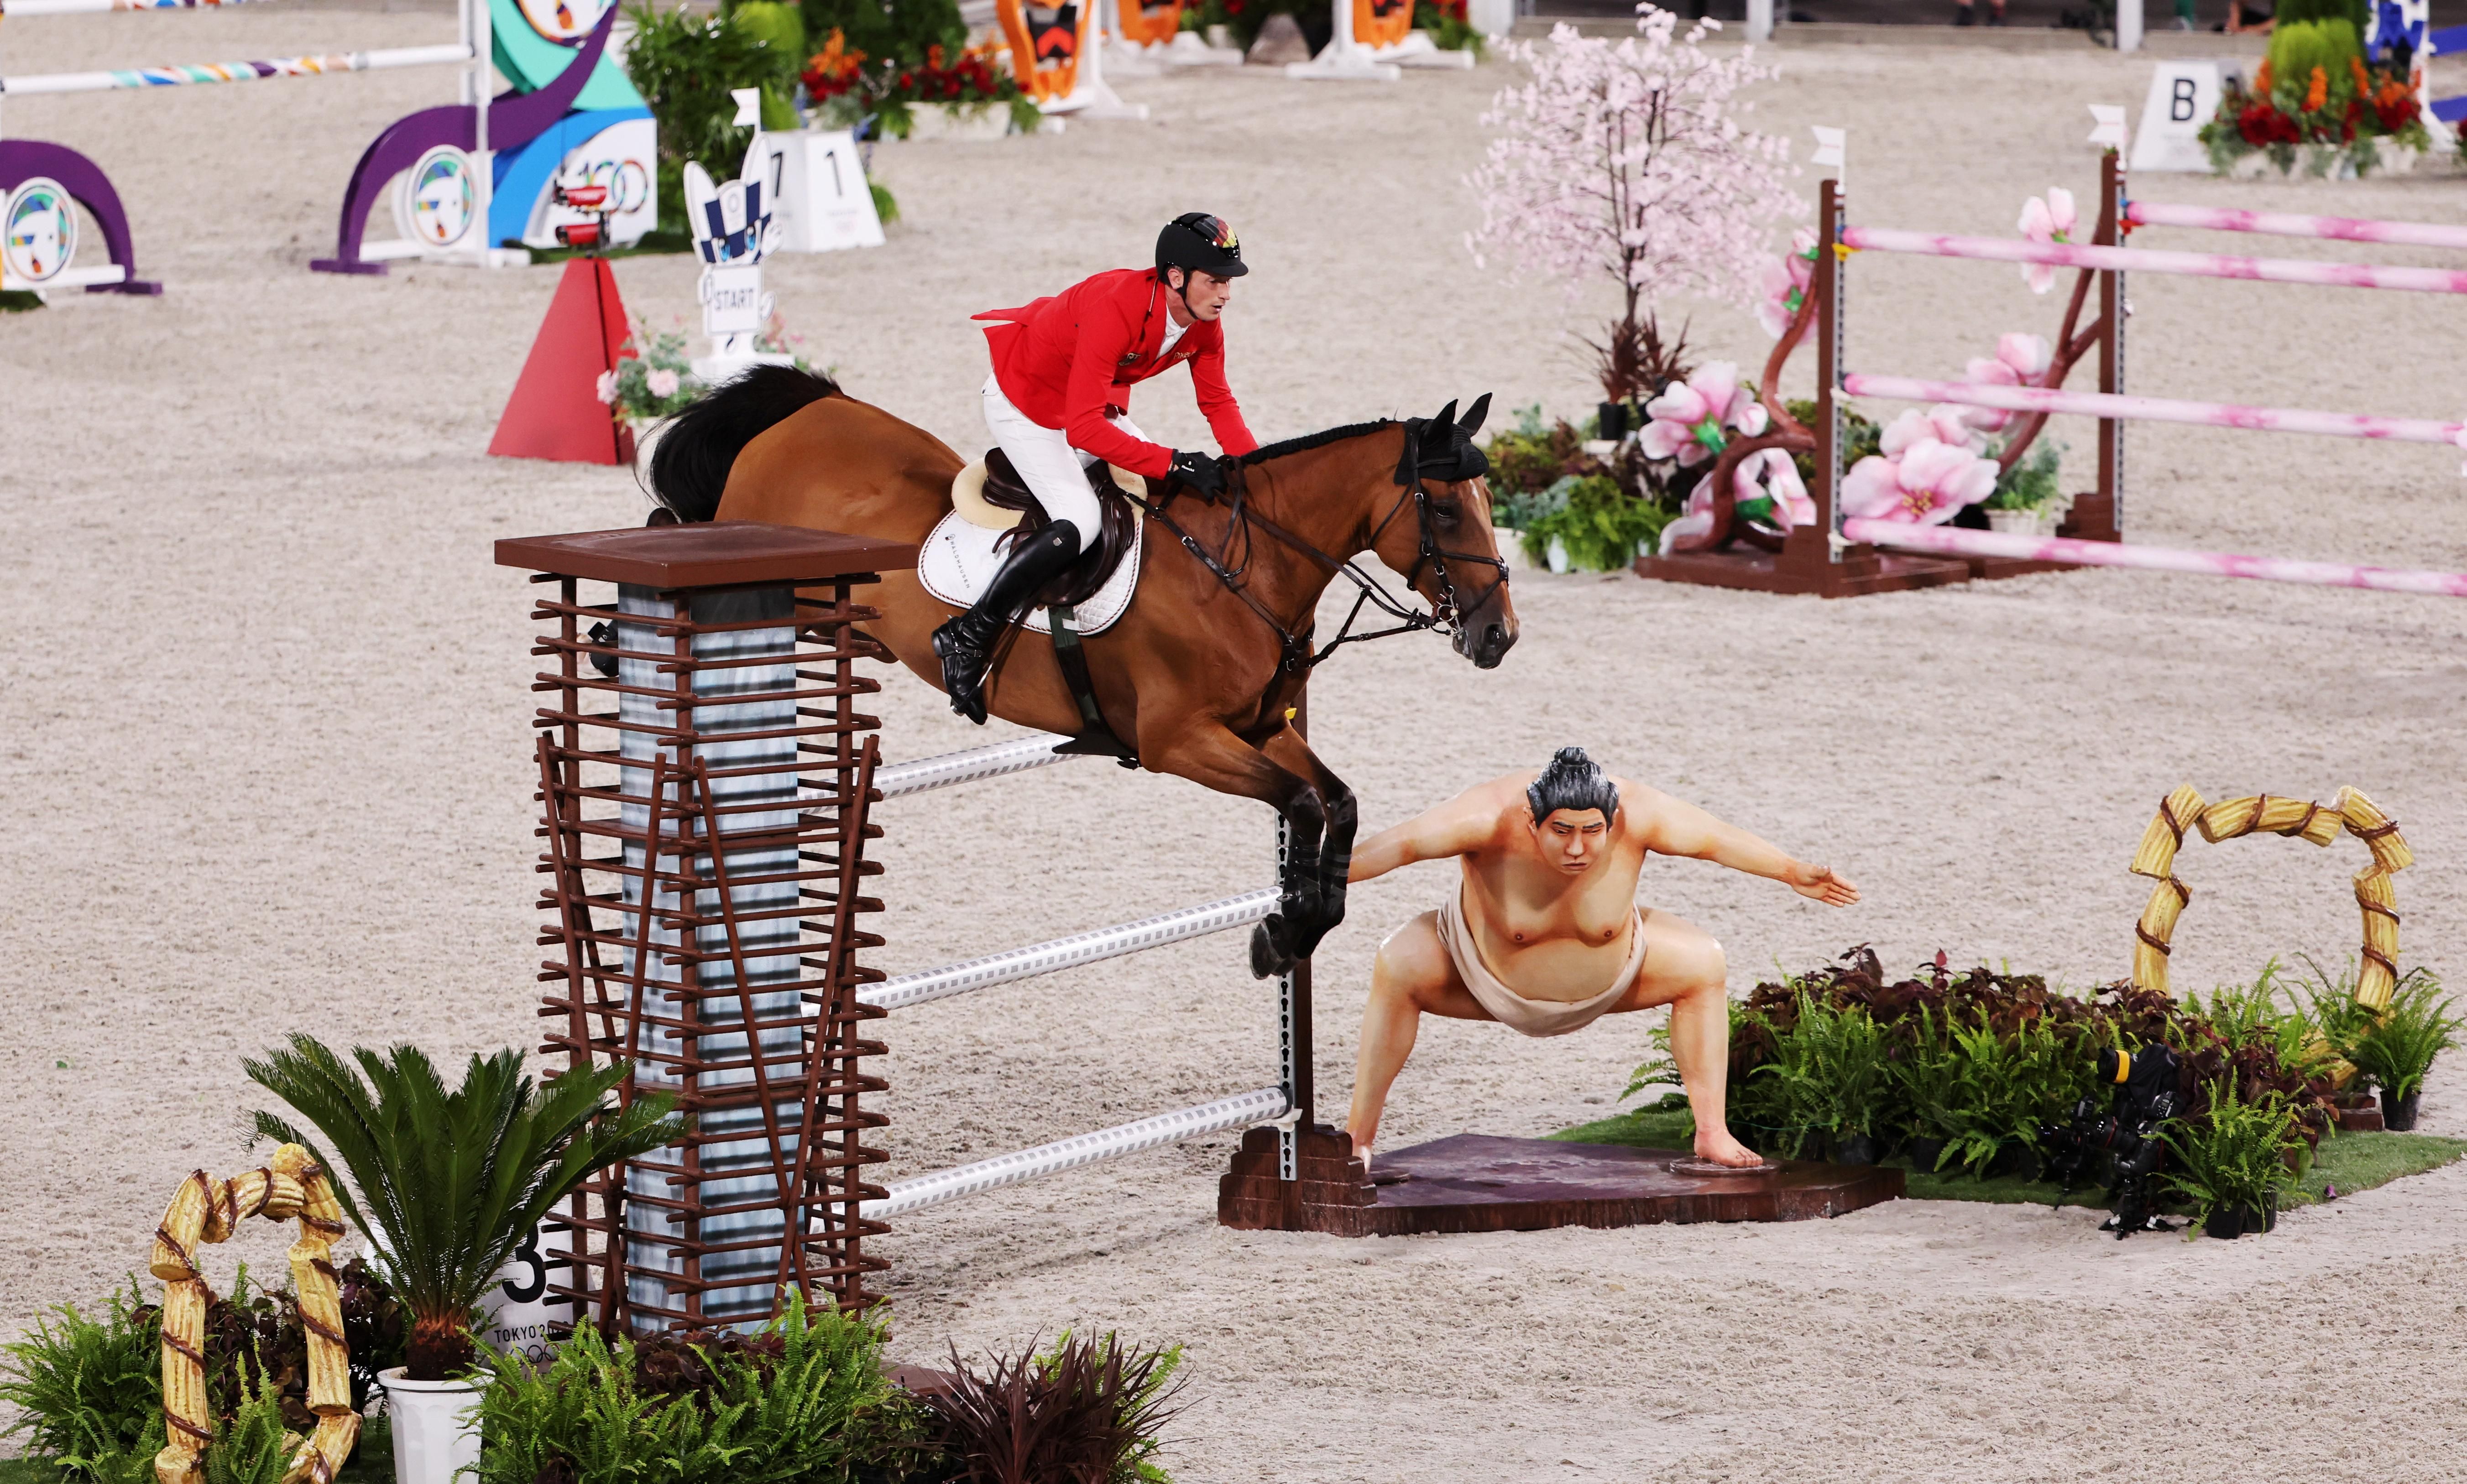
[(1197, 240)]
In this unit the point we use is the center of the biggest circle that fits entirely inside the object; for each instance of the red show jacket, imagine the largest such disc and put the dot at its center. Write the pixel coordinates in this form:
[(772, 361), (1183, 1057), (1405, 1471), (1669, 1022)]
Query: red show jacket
[(1065, 360)]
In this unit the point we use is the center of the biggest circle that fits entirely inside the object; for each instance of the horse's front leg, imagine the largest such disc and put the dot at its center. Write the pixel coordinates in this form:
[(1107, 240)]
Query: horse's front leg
[(1213, 757), (1287, 750)]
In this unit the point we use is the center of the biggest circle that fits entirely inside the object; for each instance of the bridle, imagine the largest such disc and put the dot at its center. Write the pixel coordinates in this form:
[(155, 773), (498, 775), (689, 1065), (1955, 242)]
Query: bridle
[(1446, 615)]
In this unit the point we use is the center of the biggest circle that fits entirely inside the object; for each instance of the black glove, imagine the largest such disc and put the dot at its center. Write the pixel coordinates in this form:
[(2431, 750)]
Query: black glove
[(1200, 472)]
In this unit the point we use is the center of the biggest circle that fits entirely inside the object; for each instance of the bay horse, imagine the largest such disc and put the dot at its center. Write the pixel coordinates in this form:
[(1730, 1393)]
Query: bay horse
[(1200, 675)]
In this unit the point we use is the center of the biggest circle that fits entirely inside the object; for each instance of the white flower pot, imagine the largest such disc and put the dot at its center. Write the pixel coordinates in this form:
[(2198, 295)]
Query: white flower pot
[(2014, 523), (2394, 158), (435, 1427), (1558, 555)]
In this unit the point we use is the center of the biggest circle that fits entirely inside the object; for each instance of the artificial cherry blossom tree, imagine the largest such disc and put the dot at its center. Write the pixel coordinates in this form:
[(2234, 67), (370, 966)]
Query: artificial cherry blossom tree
[(1629, 161)]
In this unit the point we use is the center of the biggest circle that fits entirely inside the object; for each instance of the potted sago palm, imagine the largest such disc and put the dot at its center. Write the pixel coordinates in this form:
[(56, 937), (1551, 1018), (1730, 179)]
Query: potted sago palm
[(444, 1186)]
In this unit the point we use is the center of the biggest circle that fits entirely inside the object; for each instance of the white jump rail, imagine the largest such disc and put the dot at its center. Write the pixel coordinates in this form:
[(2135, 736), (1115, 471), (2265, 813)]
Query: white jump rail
[(1241, 1111), (22, 10), (1950, 540)]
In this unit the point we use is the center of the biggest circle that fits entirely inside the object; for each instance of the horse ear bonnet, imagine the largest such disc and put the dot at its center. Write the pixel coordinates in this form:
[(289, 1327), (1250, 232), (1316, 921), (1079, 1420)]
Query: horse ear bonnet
[(1442, 447)]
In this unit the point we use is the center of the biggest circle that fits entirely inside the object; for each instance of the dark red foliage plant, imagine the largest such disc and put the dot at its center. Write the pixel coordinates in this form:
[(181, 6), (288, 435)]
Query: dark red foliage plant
[(1076, 1415)]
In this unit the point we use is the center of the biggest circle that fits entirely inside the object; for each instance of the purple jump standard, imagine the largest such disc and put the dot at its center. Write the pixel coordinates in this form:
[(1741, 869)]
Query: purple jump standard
[(2135, 260), (2152, 409), (1952, 541)]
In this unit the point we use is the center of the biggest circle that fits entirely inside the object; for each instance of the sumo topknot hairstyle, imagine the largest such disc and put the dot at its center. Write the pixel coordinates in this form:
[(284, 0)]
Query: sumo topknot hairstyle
[(1573, 781)]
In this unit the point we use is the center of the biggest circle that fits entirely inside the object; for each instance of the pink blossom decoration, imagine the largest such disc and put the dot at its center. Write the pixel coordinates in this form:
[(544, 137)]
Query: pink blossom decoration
[(1692, 421), (2020, 361), (1785, 281), (1633, 157), (1942, 423), (661, 382), (1927, 485), (1766, 488), (2047, 220), (606, 389), (1694, 529)]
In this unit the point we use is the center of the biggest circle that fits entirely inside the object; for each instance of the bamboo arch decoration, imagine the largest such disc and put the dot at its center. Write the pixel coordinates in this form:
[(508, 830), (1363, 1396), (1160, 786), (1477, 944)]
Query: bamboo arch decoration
[(290, 1185), (2262, 814)]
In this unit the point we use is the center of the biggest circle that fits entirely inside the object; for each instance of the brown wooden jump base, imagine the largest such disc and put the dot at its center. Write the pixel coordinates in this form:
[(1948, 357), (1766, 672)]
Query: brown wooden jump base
[(1477, 1182)]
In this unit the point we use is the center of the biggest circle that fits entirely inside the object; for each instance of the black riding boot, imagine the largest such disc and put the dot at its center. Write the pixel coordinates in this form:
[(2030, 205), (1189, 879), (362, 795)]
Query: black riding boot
[(967, 642)]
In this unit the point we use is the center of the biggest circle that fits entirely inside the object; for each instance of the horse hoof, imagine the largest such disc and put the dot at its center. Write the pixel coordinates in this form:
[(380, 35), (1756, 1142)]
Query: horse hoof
[(1268, 956)]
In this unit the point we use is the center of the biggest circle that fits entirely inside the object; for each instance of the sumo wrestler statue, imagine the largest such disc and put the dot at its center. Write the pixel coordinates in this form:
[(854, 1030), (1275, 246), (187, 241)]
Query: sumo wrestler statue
[(1543, 933)]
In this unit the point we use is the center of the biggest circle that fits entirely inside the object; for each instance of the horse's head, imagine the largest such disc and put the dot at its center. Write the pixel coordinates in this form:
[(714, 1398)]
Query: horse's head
[(1438, 535)]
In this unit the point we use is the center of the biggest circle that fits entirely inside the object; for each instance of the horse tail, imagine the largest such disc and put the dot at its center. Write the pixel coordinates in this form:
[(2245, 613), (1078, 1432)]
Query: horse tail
[(690, 468)]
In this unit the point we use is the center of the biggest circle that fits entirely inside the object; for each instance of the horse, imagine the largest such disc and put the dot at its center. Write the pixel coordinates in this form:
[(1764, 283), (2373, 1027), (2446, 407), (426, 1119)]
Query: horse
[(1202, 675)]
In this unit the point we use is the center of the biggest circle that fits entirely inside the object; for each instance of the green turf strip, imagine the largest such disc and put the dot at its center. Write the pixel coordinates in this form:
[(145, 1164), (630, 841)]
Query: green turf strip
[(2350, 1162)]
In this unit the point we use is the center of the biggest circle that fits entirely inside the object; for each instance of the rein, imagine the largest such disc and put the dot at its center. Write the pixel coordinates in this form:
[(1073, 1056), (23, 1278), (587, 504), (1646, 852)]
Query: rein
[(1295, 657)]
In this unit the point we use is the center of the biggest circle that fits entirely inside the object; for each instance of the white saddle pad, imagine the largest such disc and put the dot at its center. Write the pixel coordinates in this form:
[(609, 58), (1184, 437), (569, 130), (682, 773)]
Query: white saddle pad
[(958, 560)]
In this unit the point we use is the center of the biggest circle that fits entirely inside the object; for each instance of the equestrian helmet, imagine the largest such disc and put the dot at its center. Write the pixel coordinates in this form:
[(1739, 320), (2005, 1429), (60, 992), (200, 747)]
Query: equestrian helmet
[(1195, 240)]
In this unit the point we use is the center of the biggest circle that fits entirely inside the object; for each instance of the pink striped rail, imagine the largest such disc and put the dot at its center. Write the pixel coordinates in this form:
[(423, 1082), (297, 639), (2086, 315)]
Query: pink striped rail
[(2134, 260), (1949, 541), (2287, 224), (2152, 409)]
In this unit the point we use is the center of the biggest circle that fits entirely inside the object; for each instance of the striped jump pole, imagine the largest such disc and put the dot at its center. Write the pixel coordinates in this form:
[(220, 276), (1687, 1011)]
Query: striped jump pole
[(194, 74), (1238, 1111), (1952, 541), (2287, 224), (24, 9), (2152, 409), (2135, 260)]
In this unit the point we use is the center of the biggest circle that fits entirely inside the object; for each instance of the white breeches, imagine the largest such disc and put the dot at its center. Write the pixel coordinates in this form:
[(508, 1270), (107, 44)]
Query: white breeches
[(1054, 472)]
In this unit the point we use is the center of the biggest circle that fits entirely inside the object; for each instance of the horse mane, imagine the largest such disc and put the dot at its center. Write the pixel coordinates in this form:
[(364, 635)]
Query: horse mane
[(1311, 441)]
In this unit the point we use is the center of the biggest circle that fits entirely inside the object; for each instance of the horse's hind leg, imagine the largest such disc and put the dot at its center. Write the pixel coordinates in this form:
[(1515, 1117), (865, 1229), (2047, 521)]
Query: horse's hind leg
[(1213, 757), (1289, 751)]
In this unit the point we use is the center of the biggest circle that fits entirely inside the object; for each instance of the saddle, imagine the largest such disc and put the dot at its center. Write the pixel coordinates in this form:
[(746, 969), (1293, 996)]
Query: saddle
[(990, 494)]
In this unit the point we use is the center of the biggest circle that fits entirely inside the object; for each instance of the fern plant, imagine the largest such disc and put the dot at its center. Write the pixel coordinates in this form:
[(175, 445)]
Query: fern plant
[(2397, 1047), (1828, 1076), (252, 1447), (2237, 1158), (806, 1400), (88, 1392), (446, 1185)]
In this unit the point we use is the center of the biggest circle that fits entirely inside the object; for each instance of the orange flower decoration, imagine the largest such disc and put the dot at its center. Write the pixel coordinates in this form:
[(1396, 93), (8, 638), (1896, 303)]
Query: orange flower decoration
[(2261, 78), (2319, 93)]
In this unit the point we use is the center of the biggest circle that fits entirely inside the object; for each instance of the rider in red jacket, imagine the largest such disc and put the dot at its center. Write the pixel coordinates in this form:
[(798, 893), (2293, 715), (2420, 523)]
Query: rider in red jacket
[(1058, 402)]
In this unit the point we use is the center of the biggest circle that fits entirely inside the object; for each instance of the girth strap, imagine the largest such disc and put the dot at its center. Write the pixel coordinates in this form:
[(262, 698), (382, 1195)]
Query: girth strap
[(1094, 736)]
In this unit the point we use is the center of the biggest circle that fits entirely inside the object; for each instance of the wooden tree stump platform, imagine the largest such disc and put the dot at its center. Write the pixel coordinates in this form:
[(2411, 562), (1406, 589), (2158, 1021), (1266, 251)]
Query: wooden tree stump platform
[(1477, 1182)]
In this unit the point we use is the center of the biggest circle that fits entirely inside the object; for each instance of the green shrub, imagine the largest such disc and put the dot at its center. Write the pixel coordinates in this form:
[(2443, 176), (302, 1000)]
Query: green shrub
[(2237, 1156), (903, 29), (684, 64), (803, 1400), (88, 1392), (1599, 526)]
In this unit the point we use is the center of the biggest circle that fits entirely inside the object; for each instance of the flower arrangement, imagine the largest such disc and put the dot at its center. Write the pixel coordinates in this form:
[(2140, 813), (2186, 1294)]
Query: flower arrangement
[(2318, 97), (838, 80), (655, 376)]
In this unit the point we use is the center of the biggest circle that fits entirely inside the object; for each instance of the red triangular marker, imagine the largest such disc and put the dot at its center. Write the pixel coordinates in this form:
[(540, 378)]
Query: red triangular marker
[(555, 412)]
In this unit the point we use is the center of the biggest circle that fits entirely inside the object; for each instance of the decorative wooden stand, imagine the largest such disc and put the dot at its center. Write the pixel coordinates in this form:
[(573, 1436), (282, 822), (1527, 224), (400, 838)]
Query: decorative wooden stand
[(1476, 1182), (704, 812), (1809, 562)]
